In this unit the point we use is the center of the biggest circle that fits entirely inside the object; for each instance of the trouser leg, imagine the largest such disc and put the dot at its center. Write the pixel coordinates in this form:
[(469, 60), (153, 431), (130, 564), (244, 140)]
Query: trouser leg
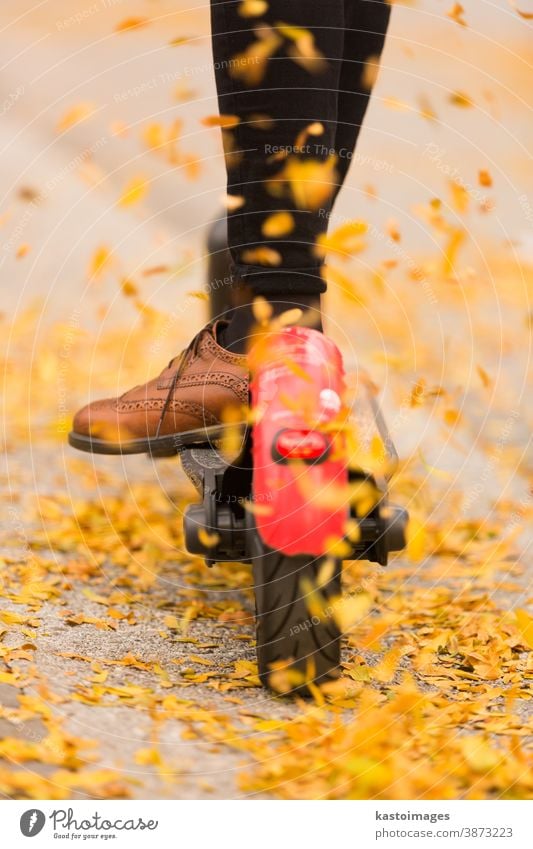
[(278, 78), (293, 86), (366, 23)]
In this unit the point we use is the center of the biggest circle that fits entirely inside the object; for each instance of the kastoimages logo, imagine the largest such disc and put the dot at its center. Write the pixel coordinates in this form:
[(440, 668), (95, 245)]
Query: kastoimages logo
[(32, 822)]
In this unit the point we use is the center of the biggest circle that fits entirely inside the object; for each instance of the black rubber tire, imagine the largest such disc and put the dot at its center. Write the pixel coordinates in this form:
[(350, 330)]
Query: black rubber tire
[(287, 630)]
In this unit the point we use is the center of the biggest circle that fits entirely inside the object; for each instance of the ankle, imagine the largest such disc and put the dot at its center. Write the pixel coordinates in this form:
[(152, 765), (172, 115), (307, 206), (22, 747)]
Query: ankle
[(249, 318)]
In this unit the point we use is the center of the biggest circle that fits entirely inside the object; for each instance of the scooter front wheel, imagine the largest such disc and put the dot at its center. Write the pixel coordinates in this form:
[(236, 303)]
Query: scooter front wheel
[(298, 640)]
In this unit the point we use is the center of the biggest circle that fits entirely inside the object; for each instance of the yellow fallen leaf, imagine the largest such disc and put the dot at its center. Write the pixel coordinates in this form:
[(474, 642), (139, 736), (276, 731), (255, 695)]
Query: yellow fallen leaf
[(525, 625), (99, 261), (385, 670), (351, 609), (147, 757)]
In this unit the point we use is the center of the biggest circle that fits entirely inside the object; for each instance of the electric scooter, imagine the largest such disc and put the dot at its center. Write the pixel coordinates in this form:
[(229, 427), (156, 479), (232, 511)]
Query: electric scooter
[(290, 501)]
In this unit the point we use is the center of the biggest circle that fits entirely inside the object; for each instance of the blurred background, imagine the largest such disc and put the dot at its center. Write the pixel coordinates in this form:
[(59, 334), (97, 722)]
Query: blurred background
[(109, 177)]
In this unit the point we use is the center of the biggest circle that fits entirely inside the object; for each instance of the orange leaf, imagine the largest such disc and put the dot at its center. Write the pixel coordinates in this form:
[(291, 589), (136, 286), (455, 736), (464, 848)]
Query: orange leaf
[(131, 23), (227, 122), (484, 178), (277, 225)]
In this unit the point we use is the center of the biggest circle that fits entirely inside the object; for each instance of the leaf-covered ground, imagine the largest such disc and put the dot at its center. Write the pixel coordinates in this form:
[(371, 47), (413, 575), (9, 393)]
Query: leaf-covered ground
[(127, 667)]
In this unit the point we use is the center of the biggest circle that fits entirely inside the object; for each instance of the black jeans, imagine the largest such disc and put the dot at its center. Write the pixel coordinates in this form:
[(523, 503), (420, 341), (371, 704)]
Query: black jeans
[(293, 89)]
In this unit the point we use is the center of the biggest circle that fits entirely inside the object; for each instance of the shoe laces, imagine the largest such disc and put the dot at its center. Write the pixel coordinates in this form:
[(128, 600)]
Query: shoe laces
[(186, 355)]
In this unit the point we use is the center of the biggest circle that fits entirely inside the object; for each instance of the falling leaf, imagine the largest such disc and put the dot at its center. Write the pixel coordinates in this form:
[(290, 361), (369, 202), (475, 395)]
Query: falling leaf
[(310, 182), (456, 14), (416, 539), (304, 50), (460, 196), (261, 121), (314, 129), (277, 225), (455, 240), (210, 540), (99, 262), (252, 8), (370, 72), (527, 15), (485, 379), (347, 287), (262, 310), (396, 104), (233, 202), (347, 240), (251, 65), (262, 255), (128, 288), (452, 417), (134, 191), (22, 250), (180, 40), (393, 230), (426, 109), (154, 135), (129, 24), (459, 98), (227, 122), (525, 625), (484, 178), (75, 115)]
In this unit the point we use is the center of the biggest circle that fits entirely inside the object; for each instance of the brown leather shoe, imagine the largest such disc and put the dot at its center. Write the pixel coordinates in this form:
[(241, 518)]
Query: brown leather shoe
[(184, 404)]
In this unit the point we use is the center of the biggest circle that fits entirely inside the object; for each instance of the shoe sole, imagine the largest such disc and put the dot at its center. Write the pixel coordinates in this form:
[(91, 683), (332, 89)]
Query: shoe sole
[(157, 446)]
